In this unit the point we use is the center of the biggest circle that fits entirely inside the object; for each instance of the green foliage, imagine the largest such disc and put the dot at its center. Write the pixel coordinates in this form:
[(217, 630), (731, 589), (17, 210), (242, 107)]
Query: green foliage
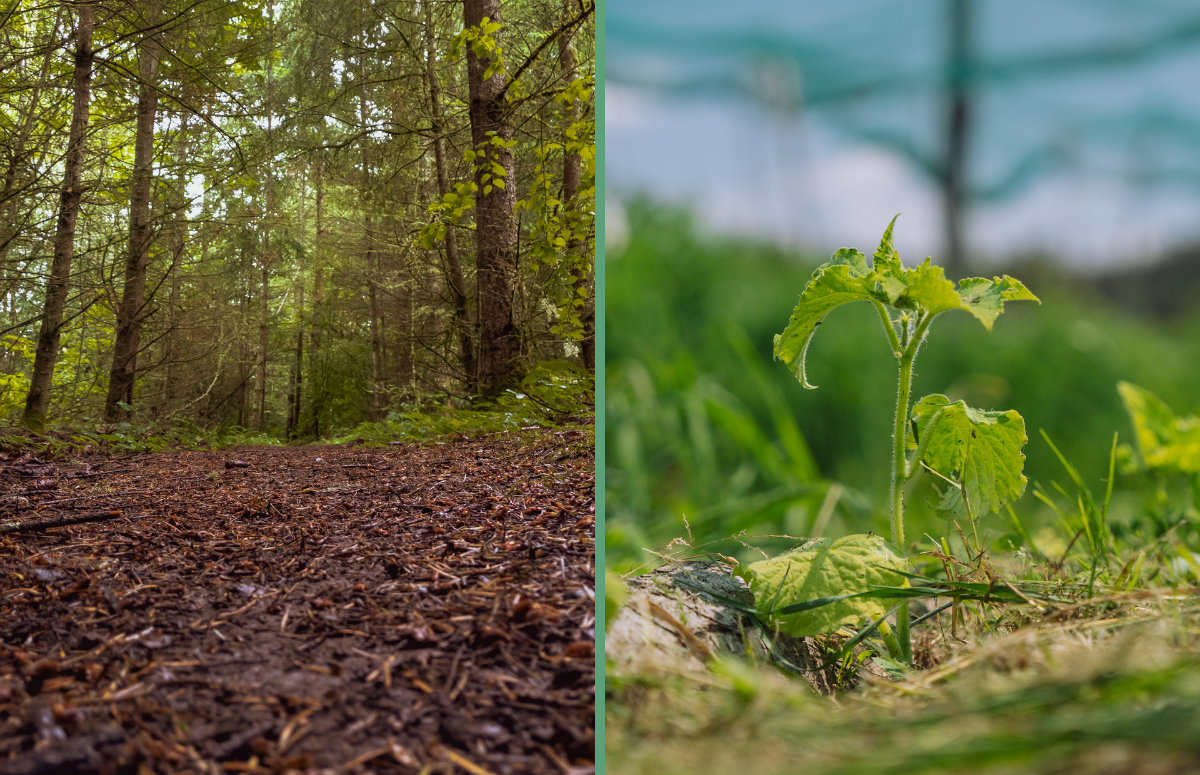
[(1164, 441), (549, 394), (978, 452), (615, 594), (677, 300), (17, 352), (482, 41), (980, 449), (923, 289), (821, 569)]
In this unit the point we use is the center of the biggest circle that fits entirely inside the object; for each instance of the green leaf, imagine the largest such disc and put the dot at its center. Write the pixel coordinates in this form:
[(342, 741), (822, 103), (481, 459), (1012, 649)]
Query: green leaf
[(1164, 441), (924, 288), (886, 259), (615, 594), (922, 412), (844, 279), (820, 569), (976, 448), (928, 287), (985, 298)]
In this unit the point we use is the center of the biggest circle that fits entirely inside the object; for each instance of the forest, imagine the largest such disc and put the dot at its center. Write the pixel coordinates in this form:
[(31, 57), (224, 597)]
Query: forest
[(292, 217)]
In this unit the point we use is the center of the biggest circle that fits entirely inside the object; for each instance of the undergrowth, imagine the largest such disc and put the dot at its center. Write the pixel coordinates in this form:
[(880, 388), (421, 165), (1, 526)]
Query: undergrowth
[(550, 394), (1075, 653)]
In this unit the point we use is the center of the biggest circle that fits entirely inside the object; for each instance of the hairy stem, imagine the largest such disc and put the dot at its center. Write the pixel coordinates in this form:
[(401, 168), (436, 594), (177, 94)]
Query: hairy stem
[(888, 327), (900, 464), (914, 466), (899, 459)]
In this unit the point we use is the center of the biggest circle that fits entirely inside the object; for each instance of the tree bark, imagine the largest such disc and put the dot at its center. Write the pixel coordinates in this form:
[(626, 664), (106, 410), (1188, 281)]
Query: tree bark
[(133, 296), (258, 422), (37, 402), (576, 249), (314, 350), (178, 242), (495, 224), (454, 272), (675, 621), (377, 398), (296, 379)]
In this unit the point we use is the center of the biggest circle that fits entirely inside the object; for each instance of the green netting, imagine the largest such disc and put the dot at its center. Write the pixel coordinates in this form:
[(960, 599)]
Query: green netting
[(1099, 85)]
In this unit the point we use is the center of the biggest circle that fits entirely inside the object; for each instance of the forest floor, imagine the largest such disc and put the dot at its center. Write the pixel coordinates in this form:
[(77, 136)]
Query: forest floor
[(265, 609)]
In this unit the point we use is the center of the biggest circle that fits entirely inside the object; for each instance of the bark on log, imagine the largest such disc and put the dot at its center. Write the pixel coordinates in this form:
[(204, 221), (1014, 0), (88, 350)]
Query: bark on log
[(668, 626)]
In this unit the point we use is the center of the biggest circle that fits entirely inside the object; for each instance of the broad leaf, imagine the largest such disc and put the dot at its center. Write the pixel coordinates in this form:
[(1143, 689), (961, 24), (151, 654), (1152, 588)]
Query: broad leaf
[(929, 288), (818, 570), (847, 278), (922, 412), (886, 259), (1164, 440), (844, 279), (985, 298), (975, 448)]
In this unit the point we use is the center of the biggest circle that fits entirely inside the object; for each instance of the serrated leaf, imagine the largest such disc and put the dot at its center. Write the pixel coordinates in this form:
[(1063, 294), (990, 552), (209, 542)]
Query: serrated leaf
[(892, 287), (928, 287), (976, 448), (846, 278), (922, 412), (818, 570), (1164, 441), (886, 259), (985, 298)]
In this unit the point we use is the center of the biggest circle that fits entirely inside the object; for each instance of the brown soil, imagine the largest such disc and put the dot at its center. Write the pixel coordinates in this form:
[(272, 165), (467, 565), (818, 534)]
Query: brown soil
[(395, 609)]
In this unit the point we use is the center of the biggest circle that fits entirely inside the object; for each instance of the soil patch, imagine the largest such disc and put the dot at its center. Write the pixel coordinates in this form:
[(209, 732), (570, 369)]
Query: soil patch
[(324, 607)]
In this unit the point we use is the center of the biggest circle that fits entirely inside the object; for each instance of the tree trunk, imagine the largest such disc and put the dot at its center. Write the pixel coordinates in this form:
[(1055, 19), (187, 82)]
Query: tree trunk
[(258, 422), (377, 397), (377, 400), (958, 114), (454, 272), (314, 351), (133, 295), (495, 224), (296, 379), (178, 241), (405, 372), (576, 249), (37, 402)]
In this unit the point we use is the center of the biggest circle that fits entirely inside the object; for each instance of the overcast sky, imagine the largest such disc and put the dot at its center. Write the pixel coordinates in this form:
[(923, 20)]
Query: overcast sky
[(746, 169)]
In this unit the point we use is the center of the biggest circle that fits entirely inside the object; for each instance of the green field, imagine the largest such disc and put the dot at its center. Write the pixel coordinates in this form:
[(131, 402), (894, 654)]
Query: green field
[(702, 425)]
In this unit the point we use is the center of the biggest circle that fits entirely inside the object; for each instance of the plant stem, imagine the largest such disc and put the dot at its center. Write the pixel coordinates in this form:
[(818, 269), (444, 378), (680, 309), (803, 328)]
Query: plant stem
[(899, 459), (900, 465), (888, 327), (923, 444)]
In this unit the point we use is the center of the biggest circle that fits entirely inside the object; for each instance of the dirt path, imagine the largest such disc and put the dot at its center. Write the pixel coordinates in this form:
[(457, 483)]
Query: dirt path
[(341, 608)]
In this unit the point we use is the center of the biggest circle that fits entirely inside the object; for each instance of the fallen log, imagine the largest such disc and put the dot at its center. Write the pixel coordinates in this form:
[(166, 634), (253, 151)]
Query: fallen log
[(673, 621)]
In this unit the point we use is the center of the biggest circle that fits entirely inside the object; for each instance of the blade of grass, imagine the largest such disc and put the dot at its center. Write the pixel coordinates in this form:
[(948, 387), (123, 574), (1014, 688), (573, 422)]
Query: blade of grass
[(859, 638)]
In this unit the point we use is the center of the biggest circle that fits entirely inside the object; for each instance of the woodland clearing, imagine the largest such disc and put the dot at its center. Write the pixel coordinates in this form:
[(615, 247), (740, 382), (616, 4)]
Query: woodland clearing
[(403, 608)]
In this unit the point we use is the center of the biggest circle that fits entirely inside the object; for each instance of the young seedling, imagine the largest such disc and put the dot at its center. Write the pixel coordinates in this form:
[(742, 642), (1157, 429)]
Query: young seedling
[(977, 452)]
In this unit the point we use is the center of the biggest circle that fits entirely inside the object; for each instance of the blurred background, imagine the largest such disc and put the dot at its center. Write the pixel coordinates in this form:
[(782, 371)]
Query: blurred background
[(1055, 140)]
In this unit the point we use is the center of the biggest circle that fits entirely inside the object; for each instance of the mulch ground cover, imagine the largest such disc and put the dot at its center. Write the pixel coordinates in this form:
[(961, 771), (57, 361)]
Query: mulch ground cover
[(264, 609)]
